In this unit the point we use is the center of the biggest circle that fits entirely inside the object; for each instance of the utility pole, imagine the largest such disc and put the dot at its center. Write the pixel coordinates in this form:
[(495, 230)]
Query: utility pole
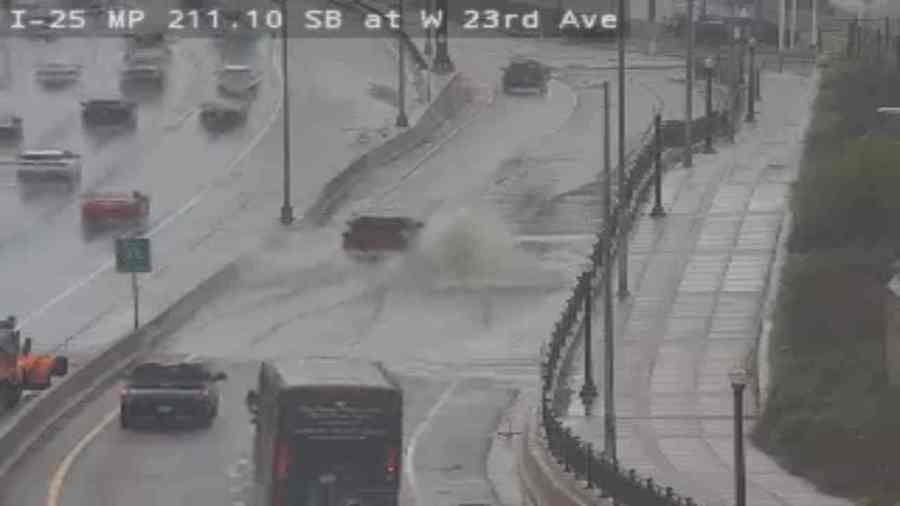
[(429, 33), (781, 23), (689, 90), (402, 120), (287, 211), (814, 35), (609, 410), (758, 16), (442, 62), (623, 186), (793, 41)]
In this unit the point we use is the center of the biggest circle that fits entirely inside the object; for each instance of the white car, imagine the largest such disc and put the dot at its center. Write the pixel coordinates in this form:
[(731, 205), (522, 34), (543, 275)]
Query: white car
[(143, 73), (57, 74), (48, 165), (239, 80), (146, 55)]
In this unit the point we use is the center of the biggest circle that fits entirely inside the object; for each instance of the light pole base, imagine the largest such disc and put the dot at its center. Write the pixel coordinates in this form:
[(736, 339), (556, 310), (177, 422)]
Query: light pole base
[(442, 64), (623, 293), (588, 392), (287, 215), (402, 120), (658, 211), (708, 149)]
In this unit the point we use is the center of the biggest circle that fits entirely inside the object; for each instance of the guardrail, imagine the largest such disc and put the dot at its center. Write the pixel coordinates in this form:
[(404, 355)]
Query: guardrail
[(574, 454)]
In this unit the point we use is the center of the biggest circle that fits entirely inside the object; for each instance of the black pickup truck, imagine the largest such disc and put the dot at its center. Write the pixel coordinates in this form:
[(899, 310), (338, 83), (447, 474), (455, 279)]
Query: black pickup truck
[(170, 393)]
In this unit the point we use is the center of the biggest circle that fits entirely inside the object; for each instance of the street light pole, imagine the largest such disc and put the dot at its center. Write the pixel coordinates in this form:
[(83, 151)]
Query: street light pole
[(709, 64), (609, 410), (814, 36), (623, 187), (287, 211), (738, 382), (689, 90), (442, 63), (429, 32), (402, 120), (793, 41)]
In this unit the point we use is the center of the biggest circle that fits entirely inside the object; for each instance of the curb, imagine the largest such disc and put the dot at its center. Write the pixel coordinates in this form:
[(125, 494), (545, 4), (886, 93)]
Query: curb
[(541, 479), (773, 282), (66, 396), (761, 379)]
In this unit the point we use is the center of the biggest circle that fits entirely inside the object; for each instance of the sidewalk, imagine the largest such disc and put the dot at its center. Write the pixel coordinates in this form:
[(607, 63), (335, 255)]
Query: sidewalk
[(698, 280)]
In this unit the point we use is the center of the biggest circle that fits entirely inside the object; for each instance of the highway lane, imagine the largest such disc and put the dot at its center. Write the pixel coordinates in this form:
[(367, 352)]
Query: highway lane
[(45, 251), (209, 467)]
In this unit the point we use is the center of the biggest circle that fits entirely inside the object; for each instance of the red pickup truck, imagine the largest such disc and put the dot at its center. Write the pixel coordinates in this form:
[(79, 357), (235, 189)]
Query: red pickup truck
[(371, 237), (113, 208)]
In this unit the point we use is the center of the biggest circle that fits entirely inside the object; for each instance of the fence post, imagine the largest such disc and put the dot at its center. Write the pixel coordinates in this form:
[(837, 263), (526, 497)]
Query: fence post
[(589, 453), (897, 51), (658, 210), (567, 438), (878, 43)]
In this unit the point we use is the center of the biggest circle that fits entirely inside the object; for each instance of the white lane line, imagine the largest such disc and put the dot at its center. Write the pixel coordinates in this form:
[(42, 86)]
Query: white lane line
[(409, 458), (172, 217), (59, 476)]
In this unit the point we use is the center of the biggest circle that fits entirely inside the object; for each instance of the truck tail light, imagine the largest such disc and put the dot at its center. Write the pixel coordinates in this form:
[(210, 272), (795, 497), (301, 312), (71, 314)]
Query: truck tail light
[(279, 470), (390, 463), (281, 461)]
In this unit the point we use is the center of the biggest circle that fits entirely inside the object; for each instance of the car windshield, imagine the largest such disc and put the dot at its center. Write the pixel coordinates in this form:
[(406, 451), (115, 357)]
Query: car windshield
[(169, 376), (48, 155)]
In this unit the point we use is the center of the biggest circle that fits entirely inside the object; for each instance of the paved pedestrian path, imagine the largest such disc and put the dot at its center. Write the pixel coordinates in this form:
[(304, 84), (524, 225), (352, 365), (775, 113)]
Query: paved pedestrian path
[(698, 280)]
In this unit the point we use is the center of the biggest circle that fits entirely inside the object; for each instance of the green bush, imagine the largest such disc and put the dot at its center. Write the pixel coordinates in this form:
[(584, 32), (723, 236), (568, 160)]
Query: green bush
[(845, 191), (831, 415)]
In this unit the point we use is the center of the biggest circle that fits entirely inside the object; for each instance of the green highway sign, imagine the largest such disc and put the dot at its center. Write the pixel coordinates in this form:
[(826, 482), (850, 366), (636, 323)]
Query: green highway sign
[(133, 254)]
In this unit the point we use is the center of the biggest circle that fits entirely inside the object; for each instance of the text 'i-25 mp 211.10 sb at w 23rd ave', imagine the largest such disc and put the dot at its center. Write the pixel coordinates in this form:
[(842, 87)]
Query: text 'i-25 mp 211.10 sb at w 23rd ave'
[(308, 22)]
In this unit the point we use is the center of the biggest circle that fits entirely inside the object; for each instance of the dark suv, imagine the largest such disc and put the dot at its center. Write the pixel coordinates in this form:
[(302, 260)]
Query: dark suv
[(168, 393), (109, 112), (525, 76)]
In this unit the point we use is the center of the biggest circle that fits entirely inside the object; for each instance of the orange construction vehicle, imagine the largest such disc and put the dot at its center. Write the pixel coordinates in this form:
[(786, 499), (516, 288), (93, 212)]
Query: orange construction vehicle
[(21, 370)]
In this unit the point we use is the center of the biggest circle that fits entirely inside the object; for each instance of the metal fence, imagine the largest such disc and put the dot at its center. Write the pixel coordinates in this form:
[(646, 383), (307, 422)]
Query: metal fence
[(573, 453), (875, 39)]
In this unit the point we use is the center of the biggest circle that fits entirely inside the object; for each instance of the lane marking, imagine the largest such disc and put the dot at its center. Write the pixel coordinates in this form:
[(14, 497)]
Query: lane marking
[(173, 216), (409, 458), (59, 476)]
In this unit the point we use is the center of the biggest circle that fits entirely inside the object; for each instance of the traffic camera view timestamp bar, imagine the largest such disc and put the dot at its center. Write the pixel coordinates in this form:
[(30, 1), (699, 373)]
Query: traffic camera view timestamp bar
[(310, 22)]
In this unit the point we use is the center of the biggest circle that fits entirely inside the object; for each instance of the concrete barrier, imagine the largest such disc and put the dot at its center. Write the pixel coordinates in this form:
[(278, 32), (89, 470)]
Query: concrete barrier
[(38, 416), (542, 481), (449, 104)]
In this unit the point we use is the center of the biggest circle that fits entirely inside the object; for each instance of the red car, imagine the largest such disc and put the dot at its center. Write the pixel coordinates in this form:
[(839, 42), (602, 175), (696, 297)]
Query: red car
[(371, 237), (114, 208)]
